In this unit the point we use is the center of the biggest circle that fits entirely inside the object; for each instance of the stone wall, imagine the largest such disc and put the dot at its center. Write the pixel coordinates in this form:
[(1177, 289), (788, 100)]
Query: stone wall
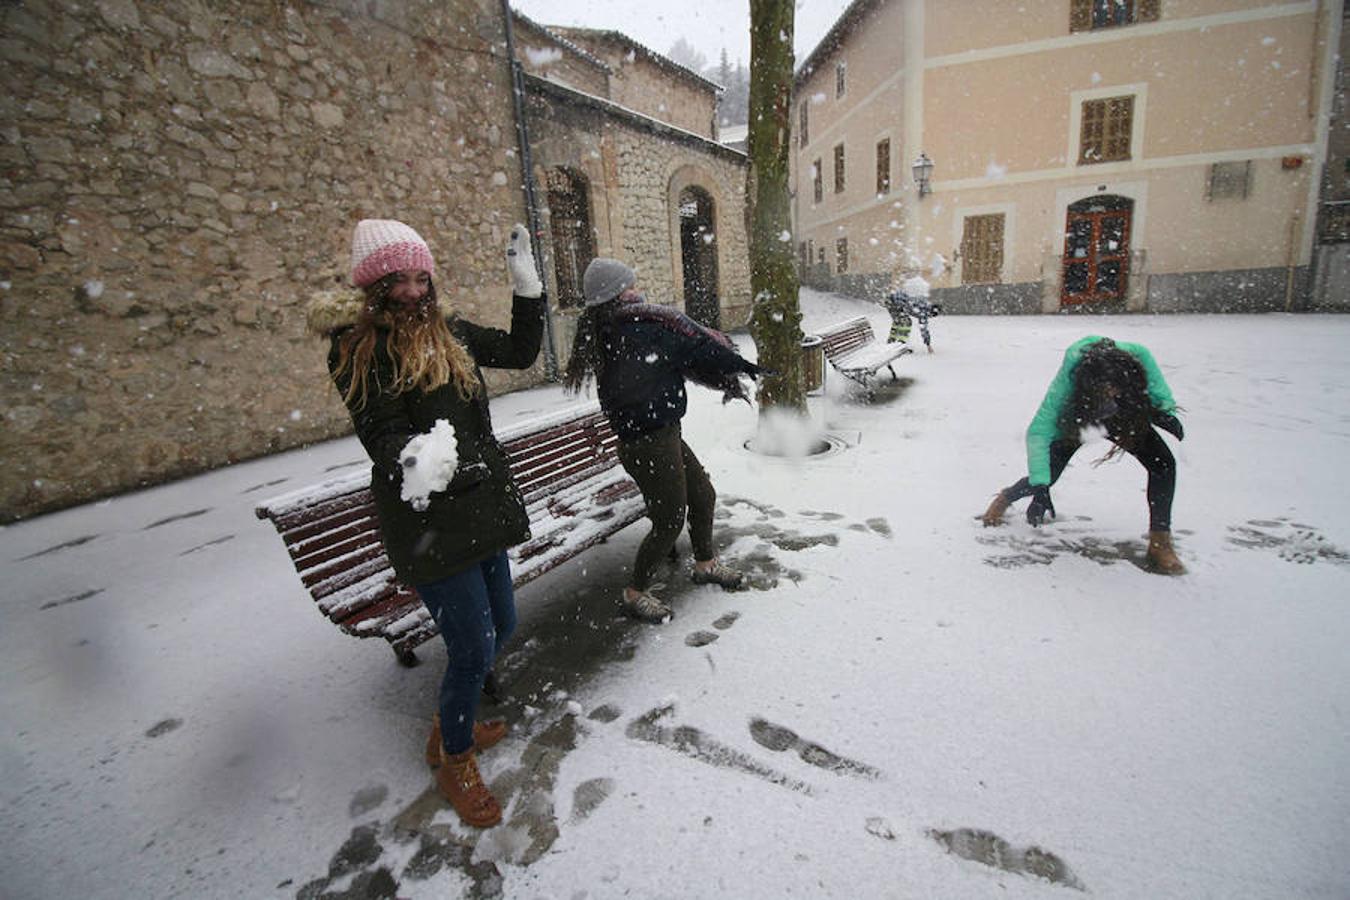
[(633, 167), (178, 177), (647, 83), (541, 53)]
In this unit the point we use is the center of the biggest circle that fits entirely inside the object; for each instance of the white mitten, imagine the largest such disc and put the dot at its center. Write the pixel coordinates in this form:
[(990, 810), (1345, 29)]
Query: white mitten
[(520, 261)]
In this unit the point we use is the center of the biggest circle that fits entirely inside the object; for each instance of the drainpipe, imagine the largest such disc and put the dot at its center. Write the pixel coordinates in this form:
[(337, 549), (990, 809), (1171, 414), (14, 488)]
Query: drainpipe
[(1291, 260), (527, 176)]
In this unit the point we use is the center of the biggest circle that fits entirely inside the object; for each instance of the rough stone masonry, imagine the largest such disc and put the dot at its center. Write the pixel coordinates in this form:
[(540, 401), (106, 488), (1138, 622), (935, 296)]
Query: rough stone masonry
[(177, 177)]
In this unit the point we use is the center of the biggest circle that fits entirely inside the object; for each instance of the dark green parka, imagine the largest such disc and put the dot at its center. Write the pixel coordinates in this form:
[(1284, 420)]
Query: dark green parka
[(480, 513)]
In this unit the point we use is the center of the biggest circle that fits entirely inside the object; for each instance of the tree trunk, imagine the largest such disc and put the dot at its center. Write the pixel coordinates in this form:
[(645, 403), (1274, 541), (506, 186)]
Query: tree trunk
[(776, 320)]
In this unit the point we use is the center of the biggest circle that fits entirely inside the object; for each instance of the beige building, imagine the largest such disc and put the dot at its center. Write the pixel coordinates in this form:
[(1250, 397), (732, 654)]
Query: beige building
[(1110, 155)]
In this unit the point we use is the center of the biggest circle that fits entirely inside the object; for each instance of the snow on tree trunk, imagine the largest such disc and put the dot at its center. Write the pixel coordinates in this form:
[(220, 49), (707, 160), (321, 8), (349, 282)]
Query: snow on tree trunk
[(775, 323)]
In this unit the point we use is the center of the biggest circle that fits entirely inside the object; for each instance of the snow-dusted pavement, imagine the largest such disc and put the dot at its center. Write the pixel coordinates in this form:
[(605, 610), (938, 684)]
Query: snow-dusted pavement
[(904, 704)]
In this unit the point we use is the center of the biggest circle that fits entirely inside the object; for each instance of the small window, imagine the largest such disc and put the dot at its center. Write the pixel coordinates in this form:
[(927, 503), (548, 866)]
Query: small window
[(802, 258), (803, 126), (838, 168), (841, 255), (1089, 15), (1229, 181), (884, 166), (818, 181), (1107, 128), (982, 249), (820, 256), (840, 79)]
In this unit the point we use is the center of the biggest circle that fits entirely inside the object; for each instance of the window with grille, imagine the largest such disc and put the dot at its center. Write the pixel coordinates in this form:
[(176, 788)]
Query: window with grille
[(820, 256), (1088, 15), (818, 181), (803, 126), (841, 255), (570, 222), (838, 168), (840, 79), (1107, 127), (884, 166), (1229, 181), (982, 249)]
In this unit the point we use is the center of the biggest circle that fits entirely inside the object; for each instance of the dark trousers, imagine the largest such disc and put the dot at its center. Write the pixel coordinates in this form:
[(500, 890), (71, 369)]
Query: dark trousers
[(476, 612), (1151, 450), (674, 485)]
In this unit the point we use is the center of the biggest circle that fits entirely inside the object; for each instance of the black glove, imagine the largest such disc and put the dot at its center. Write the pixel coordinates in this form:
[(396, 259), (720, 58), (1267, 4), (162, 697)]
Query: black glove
[(1169, 423), (734, 390), (1040, 507)]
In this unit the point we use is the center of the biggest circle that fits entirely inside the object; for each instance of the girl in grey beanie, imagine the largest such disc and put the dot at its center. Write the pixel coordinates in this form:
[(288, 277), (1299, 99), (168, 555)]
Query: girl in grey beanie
[(640, 354)]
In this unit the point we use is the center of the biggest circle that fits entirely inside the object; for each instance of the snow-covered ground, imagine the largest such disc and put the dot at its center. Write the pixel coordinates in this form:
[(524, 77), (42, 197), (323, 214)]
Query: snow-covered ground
[(904, 704)]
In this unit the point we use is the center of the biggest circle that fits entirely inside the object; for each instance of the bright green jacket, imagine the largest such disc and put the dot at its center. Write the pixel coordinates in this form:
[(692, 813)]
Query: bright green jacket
[(1044, 426)]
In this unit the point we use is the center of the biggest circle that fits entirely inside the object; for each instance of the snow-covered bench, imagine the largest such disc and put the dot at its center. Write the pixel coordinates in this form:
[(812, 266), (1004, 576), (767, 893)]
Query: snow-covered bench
[(853, 350), (576, 493)]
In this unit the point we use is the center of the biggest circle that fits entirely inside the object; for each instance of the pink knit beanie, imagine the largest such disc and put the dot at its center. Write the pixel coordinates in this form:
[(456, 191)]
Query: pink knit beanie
[(382, 246)]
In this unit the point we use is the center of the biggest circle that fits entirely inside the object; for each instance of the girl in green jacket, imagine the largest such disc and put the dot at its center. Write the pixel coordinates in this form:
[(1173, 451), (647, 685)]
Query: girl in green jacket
[(1116, 386)]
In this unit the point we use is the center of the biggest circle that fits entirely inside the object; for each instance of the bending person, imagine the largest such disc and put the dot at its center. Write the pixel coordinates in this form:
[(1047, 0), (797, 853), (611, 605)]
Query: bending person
[(640, 355), (443, 493), (1118, 387)]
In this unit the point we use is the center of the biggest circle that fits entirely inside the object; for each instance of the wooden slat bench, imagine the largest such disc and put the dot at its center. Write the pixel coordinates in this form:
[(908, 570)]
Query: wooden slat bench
[(853, 350), (575, 491)]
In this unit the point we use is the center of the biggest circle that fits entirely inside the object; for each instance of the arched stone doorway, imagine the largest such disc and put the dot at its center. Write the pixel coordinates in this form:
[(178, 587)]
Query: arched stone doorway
[(573, 237), (1097, 236), (698, 256)]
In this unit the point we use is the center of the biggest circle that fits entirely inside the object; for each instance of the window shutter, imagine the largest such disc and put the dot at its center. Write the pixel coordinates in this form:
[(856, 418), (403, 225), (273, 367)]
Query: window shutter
[(1146, 10), (1080, 15)]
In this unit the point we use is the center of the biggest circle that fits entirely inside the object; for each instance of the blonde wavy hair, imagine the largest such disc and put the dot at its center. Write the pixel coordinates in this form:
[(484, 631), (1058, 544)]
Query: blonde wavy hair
[(424, 352)]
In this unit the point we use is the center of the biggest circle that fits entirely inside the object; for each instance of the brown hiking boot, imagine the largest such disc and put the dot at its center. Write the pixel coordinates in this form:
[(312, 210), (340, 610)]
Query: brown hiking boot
[(997, 507), (485, 735), (1162, 557), (461, 784), (718, 574)]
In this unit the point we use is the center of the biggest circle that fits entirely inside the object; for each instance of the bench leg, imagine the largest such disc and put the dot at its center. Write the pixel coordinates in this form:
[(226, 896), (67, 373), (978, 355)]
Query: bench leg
[(891, 368), (406, 656)]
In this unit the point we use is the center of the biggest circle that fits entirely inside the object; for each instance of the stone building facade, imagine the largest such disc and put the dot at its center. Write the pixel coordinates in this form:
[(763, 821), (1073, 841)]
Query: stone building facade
[(643, 179), (177, 179)]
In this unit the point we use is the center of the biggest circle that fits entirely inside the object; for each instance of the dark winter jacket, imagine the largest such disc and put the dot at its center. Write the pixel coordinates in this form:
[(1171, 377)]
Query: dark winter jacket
[(480, 513), (648, 352)]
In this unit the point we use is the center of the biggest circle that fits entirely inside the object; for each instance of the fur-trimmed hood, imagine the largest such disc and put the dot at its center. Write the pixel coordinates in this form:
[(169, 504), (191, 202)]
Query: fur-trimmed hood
[(328, 311)]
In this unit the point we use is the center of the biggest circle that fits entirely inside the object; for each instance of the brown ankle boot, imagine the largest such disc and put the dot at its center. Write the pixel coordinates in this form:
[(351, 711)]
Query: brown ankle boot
[(461, 784), (1162, 558), (485, 735), (997, 507)]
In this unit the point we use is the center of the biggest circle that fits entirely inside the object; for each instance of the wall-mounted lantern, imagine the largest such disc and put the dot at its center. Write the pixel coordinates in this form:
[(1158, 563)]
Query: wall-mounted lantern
[(923, 170)]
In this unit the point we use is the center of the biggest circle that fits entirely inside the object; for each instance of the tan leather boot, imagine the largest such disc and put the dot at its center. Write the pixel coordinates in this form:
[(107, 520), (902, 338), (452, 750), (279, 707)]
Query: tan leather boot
[(461, 784), (994, 514), (485, 735), (1162, 558)]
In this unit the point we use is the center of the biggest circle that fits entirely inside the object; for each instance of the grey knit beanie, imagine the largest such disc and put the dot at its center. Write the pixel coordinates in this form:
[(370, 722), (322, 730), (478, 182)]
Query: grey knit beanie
[(606, 279)]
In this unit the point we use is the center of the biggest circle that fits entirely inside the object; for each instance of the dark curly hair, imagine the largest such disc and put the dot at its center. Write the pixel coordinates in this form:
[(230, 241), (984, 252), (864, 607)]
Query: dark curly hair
[(1110, 389)]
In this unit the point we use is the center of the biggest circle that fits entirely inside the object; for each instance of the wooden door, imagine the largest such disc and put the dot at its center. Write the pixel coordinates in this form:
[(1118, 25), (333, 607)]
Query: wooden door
[(1097, 251)]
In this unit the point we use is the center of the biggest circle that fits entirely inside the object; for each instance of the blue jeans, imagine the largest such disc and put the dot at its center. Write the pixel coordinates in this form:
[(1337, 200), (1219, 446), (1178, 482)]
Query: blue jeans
[(476, 612)]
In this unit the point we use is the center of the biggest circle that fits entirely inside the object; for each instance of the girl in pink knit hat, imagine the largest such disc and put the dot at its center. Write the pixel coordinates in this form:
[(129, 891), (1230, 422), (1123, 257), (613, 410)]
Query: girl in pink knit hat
[(410, 377)]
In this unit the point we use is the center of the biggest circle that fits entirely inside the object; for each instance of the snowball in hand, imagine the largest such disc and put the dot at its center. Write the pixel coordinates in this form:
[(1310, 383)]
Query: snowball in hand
[(429, 462)]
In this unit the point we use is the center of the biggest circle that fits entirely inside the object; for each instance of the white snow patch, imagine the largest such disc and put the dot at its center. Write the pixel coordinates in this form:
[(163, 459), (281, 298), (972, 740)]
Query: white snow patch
[(93, 289), (542, 56), (433, 457)]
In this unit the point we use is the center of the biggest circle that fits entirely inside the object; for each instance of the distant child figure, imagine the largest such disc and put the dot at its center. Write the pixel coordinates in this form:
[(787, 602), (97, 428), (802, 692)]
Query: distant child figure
[(1118, 387), (909, 303)]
